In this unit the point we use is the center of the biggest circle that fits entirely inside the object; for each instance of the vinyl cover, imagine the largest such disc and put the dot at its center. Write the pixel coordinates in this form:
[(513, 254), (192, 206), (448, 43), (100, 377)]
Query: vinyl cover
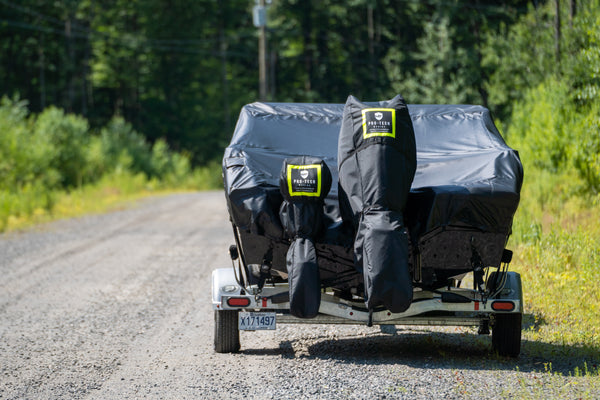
[(376, 163), (304, 183), (462, 200)]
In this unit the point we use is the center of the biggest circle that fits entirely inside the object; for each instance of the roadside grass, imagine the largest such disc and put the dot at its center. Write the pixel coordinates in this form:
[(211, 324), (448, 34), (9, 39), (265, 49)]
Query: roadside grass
[(116, 190), (557, 253), (548, 384), (556, 242)]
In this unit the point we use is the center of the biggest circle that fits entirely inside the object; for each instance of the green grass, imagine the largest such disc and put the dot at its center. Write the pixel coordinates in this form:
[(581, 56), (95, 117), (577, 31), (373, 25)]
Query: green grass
[(117, 190), (557, 252), (556, 242), (548, 384)]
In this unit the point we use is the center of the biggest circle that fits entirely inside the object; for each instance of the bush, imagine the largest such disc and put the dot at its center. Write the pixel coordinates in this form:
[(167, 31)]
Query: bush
[(25, 155), (68, 138), (554, 133), (540, 126), (42, 156), (169, 165), (587, 147), (120, 148)]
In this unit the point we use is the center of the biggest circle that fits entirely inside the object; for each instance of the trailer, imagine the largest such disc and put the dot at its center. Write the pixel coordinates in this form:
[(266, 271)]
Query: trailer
[(457, 220)]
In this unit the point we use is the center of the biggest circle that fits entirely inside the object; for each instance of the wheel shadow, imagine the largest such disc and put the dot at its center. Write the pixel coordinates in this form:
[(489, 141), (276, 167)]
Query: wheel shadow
[(428, 348), (432, 349), (285, 350)]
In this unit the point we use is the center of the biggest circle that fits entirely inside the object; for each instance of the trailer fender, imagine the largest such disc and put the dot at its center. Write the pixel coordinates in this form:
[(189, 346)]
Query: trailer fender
[(513, 290), (223, 284)]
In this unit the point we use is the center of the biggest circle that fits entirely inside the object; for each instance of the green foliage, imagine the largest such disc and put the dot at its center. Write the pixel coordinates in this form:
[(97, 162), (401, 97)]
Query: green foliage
[(555, 113), (587, 146), (445, 73), (518, 57), (556, 240), (121, 148), (67, 138), (44, 156), (180, 70), (581, 66), (556, 134), (539, 126), (25, 154)]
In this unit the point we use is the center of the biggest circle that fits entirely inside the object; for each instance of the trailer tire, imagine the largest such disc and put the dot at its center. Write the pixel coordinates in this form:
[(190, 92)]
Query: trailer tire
[(227, 333), (506, 334)]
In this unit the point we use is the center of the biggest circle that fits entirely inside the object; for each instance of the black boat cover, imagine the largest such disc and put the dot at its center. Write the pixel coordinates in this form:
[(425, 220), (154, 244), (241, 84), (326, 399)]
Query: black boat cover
[(460, 208), (376, 163), (304, 183)]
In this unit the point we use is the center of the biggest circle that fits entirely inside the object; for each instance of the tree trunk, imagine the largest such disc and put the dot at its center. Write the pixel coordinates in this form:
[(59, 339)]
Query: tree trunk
[(223, 54), (42, 73), (70, 68), (557, 30), (306, 33), (572, 11)]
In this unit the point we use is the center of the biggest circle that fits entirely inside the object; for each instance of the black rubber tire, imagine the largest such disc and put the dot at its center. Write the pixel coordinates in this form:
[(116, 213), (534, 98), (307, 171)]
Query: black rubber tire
[(227, 333), (506, 334)]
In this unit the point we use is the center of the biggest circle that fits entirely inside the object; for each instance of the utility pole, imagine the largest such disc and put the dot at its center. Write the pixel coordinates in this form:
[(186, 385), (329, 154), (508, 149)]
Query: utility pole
[(224, 81), (259, 14)]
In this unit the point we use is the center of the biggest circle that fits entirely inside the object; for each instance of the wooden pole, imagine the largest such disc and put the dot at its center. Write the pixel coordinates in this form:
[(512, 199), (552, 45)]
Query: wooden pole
[(262, 59)]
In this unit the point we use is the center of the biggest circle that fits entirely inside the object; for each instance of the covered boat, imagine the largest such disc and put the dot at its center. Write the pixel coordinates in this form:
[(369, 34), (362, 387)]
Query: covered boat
[(458, 214)]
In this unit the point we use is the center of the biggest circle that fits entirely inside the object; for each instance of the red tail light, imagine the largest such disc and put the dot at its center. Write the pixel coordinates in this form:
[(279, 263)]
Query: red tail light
[(503, 306), (238, 302)]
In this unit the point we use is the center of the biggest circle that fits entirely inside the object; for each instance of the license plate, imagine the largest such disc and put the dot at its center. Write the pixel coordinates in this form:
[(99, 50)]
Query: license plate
[(254, 321)]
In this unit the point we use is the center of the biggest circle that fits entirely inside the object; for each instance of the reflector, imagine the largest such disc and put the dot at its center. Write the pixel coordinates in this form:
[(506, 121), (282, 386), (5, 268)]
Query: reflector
[(238, 302), (503, 306)]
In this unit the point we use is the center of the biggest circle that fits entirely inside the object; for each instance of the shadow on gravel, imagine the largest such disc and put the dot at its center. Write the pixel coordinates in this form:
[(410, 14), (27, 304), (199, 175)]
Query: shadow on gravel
[(285, 350), (428, 348), (444, 350)]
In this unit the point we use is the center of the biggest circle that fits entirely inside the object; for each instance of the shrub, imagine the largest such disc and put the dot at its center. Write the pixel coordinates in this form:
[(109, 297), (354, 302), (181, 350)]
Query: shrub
[(587, 147), (121, 148), (25, 155), (41, 156), (540, 126), (68, 136), (167, 164), (554, 133)]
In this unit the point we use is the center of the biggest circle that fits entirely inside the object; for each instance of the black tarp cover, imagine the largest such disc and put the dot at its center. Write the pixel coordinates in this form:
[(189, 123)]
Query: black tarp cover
[(463, 197), (376, 165), (304, 183)]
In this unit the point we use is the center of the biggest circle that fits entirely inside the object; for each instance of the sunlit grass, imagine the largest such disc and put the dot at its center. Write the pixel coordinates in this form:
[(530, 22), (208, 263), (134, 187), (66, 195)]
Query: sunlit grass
[(557, 252), (114, 191), (549, 384)]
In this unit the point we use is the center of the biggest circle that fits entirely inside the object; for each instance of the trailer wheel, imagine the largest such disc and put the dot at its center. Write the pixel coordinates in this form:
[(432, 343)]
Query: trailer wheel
[(506, 334), (227, 333)]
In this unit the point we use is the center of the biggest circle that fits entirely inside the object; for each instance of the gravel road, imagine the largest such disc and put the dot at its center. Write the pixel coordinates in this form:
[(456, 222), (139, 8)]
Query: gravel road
[(117, 306)]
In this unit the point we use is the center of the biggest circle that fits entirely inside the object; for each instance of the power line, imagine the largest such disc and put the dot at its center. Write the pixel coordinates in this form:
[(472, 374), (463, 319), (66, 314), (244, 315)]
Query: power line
[(25, 25), (90, 32), (143, 44), (144, 47)]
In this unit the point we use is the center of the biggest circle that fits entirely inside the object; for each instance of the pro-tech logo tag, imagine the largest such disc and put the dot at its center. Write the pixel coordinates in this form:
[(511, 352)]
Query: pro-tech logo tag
[(379, 122), (304, 180)]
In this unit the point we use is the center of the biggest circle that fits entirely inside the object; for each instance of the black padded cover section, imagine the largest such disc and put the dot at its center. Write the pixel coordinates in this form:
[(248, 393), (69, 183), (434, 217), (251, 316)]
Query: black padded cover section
[(463, 196), (377, 162), (304, 183)]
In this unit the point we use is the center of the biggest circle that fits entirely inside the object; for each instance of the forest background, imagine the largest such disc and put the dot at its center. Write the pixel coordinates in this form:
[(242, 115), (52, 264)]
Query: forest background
[(114, 97)]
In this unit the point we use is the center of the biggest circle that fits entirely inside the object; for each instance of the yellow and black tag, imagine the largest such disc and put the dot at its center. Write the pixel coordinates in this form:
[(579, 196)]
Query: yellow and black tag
[(304, 180), (379, 122)]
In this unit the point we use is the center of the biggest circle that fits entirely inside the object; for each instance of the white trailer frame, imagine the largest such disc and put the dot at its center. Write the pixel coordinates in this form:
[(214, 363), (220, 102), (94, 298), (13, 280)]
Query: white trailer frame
[(446, 306)]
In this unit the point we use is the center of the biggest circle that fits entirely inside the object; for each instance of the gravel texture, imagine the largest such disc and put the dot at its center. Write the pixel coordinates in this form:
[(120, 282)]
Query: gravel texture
[(118, 306)]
